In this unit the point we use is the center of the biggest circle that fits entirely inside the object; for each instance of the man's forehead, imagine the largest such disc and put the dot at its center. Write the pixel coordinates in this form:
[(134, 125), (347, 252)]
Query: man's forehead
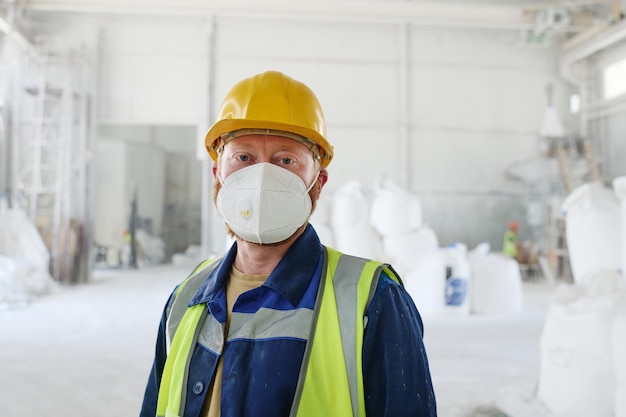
[(254, 141)]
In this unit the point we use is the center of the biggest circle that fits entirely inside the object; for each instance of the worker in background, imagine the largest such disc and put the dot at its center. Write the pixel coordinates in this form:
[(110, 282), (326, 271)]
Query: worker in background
[(282, 325), (509, 245)]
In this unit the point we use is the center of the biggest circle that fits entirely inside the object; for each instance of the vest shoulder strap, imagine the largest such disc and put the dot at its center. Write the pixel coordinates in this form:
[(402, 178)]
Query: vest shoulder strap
[(184, 292), (333, 357), (181, 319)]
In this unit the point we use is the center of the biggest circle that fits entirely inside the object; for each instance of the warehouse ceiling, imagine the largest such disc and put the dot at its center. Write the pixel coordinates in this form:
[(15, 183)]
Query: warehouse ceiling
[(570, 16), (537, 20)]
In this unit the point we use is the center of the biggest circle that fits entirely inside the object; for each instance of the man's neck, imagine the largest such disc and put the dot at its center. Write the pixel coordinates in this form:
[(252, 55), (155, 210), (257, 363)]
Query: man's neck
[(257, 259)]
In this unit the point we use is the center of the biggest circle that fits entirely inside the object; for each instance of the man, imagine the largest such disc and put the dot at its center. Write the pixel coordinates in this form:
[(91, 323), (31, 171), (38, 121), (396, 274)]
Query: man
[(509, 244), (281, 325)]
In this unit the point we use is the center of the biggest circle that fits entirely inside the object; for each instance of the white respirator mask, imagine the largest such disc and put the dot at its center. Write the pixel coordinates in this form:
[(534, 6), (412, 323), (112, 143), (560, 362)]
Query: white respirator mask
[(264, 203)]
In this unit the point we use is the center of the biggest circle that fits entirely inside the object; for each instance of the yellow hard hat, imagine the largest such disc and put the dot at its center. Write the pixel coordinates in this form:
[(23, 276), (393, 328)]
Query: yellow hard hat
[(273, 102)]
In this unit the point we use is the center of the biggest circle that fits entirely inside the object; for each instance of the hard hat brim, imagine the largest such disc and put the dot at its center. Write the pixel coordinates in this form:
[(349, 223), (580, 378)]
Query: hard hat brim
[(224, 126)]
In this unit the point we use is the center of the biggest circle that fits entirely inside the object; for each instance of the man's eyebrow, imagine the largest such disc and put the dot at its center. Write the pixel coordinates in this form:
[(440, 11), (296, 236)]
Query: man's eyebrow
[(291, 147), (240, 145)]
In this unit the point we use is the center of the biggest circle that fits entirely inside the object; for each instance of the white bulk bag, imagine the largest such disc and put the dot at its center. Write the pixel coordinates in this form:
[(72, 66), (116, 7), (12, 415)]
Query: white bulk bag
[(576, 376), (394, 211), (496, 283), (404, 248), (592, 220), (321, 214), (20, 241), (349, 206), (358, 240), (7, 275), (320, 220), (425, 281), (619, 359), (619, 187)]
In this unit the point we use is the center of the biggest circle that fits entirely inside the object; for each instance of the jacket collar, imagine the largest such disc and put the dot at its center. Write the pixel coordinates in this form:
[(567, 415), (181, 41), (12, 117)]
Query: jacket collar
[(290, 278)]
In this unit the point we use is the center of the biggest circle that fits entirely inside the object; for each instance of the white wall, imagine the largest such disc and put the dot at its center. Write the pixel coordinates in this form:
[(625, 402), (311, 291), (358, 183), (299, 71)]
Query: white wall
[(154, 71)]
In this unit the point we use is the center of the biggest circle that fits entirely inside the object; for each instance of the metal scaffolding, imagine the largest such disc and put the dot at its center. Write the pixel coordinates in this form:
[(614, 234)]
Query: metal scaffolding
[(52, 164)]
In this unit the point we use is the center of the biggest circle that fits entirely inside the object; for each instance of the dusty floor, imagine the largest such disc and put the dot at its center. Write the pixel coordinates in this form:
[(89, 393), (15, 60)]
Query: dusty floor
[(86, 351)]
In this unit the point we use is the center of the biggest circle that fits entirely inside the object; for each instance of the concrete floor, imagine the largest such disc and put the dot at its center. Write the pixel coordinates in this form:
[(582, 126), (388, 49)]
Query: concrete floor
[(86, 351)]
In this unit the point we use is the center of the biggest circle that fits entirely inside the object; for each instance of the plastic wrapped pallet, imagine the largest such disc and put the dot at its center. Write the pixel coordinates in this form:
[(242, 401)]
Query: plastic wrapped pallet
[(576, 376), (496, 282), (592, 218)]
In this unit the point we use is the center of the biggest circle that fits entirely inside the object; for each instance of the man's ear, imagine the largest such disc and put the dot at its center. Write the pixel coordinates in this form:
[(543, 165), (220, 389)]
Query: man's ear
[(214, 170), (322, 178)]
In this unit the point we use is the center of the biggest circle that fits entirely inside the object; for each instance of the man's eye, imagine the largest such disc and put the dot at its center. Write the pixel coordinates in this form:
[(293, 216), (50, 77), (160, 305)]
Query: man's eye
[(243, 158), (286, 161)]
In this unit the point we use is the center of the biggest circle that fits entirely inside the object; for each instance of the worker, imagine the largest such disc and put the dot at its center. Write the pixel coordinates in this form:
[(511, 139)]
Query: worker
[(509, 244), (282, 325)]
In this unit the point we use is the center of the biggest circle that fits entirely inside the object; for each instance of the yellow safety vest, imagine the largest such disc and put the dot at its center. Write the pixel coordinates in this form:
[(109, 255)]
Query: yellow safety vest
[(331, 376), (509, 246)]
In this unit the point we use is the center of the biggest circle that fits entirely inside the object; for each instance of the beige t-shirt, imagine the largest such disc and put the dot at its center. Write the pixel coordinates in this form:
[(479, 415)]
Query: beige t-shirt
[(237, 284)]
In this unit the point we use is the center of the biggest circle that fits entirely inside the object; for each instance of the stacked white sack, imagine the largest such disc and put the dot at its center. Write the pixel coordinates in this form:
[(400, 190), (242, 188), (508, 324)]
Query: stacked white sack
[(619, 187), (426, 283), (416, 256), (394, 211), (619, 358), (191, 257), (592, 218), (350, 222), (411, 247), (496, 282), (420, 262), (402, 250), (576, 377), (320, 220)]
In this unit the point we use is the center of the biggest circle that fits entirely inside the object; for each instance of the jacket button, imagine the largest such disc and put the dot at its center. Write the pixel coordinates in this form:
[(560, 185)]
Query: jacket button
[(198, 387)]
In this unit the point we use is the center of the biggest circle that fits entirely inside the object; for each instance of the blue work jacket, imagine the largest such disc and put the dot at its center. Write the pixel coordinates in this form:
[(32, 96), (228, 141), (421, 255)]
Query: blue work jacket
[(260, 376)]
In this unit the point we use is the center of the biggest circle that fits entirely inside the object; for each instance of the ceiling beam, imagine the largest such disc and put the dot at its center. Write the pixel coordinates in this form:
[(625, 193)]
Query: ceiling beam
[(467, 14)]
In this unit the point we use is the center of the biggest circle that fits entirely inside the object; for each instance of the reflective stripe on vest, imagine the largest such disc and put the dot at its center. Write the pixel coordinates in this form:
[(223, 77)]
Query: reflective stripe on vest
[(181, 344), (331, 377)]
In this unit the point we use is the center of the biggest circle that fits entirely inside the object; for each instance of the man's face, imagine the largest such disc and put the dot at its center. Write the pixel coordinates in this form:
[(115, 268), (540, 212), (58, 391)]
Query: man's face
[(281, 151)]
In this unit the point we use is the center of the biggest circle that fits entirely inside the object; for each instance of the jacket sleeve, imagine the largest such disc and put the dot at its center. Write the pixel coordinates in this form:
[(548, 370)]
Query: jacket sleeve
[(396, 374), (149, 405)]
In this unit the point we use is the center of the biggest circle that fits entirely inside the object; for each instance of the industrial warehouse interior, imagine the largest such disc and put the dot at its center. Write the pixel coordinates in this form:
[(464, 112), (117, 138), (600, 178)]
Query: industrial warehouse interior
[(479, 149)]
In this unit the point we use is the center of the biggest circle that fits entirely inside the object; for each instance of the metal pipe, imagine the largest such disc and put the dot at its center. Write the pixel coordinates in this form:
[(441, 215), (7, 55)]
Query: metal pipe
[(206, 206)]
